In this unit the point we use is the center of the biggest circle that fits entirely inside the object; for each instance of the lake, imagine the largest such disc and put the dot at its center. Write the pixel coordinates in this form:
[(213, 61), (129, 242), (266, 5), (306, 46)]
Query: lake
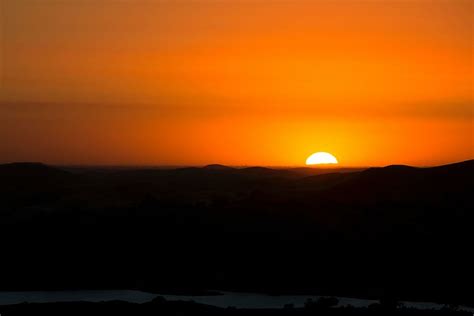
[(227, 299)]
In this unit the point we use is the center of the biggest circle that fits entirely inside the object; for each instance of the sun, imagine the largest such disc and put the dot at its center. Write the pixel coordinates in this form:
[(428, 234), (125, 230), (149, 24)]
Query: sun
[(321, 158)]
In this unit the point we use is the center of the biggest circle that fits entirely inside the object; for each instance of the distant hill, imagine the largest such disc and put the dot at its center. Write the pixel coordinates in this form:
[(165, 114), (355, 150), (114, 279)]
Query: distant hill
[(366, 232), (408, 179), (29, 169), (218, 167), (26, 174)]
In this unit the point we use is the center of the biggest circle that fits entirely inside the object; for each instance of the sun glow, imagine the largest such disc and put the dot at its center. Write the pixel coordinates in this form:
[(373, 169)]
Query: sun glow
[(321, 158), (237, 82)]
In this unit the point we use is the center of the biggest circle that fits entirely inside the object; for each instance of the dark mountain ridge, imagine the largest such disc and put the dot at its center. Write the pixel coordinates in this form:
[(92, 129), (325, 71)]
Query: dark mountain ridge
[(29, 169), (400, 230)]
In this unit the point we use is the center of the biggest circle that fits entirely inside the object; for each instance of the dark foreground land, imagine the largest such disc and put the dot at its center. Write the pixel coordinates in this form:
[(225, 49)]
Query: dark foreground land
[(398, 232), (162, 307)]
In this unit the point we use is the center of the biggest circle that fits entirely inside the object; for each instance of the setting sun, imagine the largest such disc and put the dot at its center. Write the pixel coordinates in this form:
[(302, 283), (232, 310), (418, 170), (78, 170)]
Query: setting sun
[(321, 158)]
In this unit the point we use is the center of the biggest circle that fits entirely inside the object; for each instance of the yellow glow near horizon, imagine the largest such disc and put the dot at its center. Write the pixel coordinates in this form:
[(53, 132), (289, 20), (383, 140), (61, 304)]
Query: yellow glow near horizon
[(321, 158), (236, 82)]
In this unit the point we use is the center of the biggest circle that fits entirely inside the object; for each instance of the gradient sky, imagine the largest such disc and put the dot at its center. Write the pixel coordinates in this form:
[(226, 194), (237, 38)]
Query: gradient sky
[(236, 82)]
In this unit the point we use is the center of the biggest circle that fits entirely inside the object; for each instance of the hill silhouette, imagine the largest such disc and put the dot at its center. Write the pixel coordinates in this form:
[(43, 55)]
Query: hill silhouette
[(218, 167), (399, 231), (30, 170)]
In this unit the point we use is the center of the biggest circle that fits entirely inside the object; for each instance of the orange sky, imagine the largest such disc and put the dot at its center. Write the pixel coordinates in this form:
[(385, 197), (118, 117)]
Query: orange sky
[(236, 82)]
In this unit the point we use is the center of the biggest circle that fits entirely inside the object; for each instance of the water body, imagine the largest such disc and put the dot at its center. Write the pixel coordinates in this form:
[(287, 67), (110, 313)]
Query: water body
[(257, 300), (7, 298), (227, 299)]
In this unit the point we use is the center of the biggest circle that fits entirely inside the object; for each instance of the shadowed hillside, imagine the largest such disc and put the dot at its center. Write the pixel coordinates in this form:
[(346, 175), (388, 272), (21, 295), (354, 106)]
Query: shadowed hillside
[(396, 231)]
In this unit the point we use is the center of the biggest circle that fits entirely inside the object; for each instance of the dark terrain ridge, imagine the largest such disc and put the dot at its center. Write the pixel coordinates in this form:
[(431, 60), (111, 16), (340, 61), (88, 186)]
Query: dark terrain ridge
[(396, 231), (160, 306)]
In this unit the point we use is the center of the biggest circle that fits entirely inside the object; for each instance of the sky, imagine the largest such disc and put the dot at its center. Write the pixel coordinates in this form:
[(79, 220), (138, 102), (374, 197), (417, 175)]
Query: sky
[(242, 82)]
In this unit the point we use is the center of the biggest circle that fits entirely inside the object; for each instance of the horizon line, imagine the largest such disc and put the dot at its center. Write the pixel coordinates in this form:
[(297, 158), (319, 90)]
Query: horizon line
[(177, 166)]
